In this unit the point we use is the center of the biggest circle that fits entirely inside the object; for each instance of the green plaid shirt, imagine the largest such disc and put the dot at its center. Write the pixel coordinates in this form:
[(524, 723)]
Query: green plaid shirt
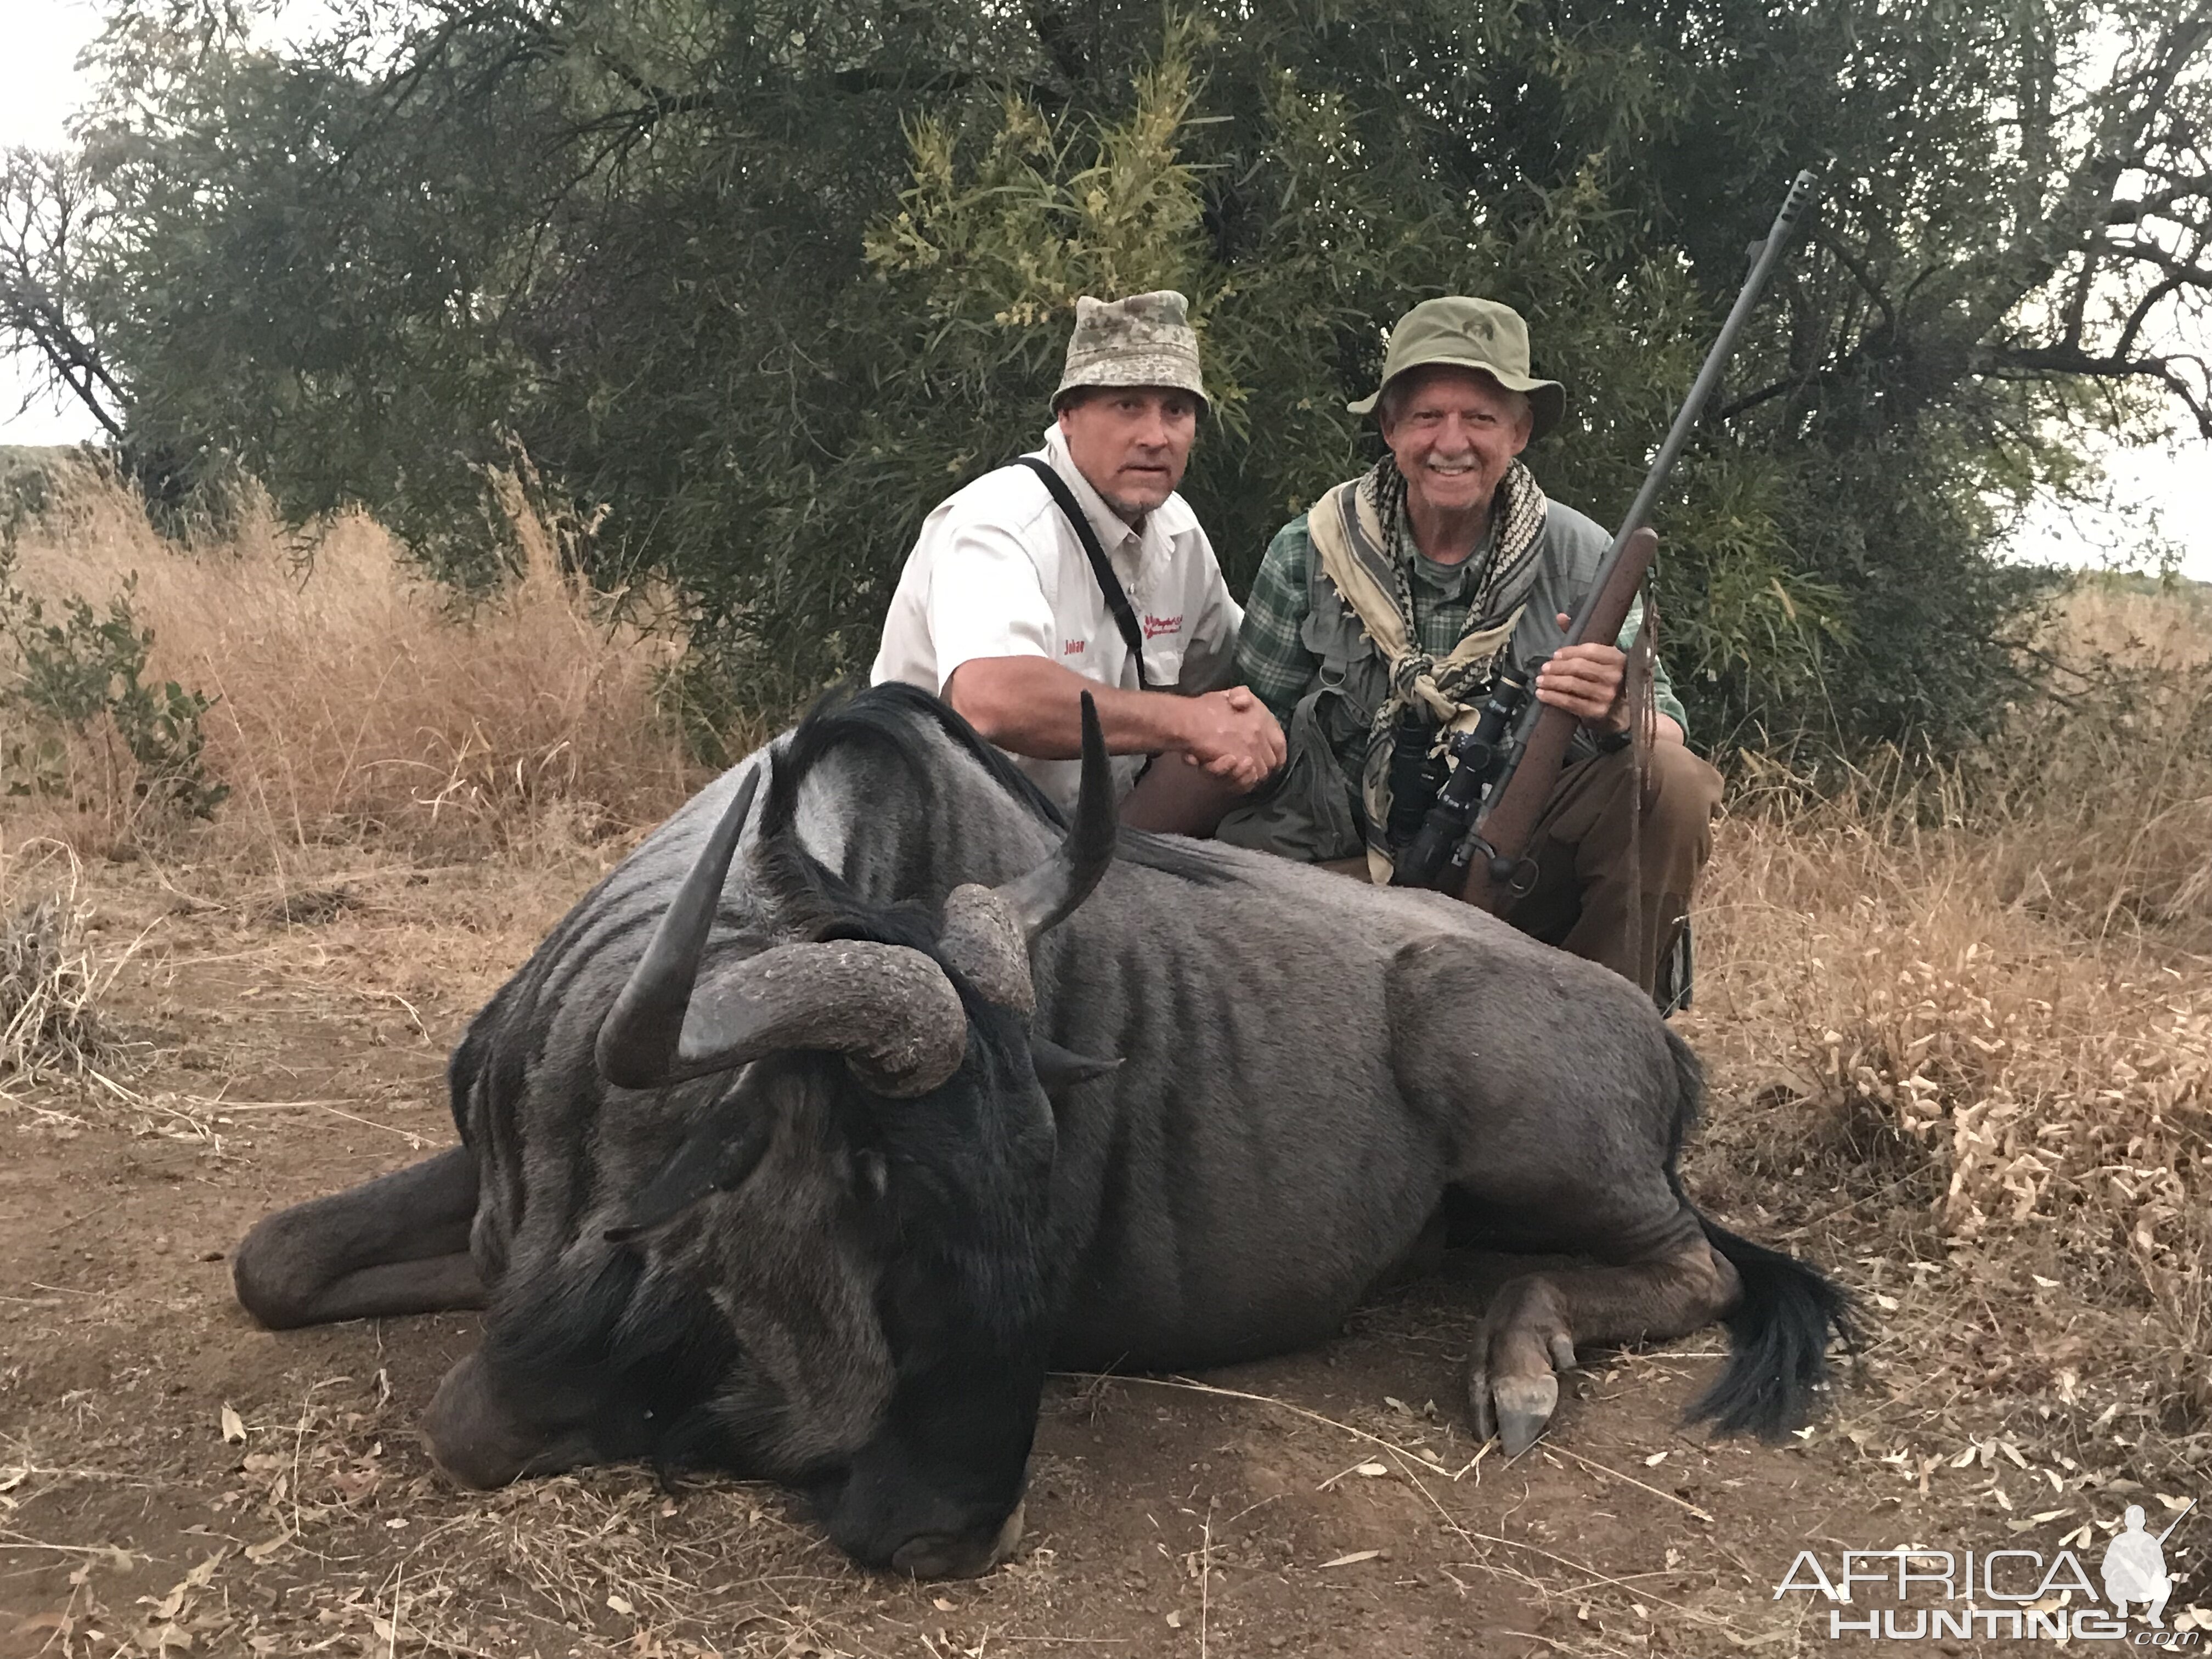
[(1273, 658)]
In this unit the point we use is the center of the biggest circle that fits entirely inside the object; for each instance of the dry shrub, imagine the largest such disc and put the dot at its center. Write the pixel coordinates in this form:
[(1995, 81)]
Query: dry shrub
[(52, 988), (355, 701)]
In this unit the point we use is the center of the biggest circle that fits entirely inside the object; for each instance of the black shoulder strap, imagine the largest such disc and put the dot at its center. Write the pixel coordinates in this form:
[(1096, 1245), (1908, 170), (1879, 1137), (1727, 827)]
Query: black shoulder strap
[(1117, 601)]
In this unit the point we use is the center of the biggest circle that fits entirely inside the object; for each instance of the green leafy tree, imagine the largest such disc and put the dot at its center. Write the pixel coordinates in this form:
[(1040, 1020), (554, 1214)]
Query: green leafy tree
[(767, 278)]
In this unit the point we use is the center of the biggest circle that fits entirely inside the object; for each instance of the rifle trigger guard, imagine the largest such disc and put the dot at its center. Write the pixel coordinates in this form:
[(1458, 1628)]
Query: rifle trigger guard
[(1523, 882)]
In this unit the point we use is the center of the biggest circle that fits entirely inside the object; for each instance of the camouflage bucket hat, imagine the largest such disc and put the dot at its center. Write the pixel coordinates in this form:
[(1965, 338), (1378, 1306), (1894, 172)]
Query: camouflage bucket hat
[(1468, 333), (1143, 340)]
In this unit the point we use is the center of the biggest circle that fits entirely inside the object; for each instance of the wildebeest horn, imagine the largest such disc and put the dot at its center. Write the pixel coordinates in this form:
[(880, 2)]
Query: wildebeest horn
[(1047, 896), (988, 930), (888, 1009)]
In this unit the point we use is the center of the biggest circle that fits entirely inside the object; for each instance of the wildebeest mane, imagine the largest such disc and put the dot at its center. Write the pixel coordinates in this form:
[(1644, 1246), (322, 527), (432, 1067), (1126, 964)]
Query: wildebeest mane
[(896, 718), (814, 901)]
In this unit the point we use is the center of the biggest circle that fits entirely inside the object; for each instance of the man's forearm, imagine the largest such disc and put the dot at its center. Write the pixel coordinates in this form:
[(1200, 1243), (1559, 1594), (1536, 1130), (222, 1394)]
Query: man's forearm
[(1029, 706)]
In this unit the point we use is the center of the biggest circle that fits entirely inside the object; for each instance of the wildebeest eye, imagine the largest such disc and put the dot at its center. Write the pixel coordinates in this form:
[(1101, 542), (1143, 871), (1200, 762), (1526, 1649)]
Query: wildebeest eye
[(1057, 1068), (715, 1158)]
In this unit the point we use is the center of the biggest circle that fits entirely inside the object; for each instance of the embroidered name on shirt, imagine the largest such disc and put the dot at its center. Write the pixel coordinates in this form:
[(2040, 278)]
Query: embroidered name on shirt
[(1073, 647), (1156, 625)]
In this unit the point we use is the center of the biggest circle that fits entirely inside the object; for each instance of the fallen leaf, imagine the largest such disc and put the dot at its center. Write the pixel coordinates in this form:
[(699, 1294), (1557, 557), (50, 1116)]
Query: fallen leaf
[(622, 1605), (1371, 1470), (233, 1427), (1174, 1621), (1655, 1459), (1351, 1560), (166, 1608), (942, 1604)]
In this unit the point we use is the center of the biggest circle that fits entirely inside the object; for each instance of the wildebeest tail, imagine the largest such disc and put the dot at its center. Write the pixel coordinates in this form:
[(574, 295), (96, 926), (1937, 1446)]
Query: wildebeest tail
[(1777, 1339), (1778, 1332)]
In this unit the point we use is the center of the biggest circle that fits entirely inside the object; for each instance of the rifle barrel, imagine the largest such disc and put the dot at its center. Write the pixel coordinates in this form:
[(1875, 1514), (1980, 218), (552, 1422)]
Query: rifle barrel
[(2176, 1521), (1693, 406)]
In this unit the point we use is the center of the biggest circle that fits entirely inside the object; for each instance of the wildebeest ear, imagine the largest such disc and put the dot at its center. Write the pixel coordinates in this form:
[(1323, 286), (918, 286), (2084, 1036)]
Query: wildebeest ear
[(715, 1157), (1058, 1067)]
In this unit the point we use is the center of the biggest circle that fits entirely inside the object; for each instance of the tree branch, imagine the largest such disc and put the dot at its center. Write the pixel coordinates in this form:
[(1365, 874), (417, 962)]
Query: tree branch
[(2063, 359), (1860, 273)]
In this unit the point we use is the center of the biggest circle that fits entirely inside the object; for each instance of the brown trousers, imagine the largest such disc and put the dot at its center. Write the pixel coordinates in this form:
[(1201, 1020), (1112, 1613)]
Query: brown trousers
[(1614, 885)]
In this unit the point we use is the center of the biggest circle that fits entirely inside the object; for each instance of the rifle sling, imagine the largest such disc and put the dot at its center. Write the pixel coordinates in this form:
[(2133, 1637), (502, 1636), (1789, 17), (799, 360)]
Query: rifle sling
[(1109, 584)]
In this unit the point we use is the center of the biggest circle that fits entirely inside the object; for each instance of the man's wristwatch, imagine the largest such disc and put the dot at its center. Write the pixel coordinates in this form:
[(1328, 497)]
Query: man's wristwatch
[(1614, 742)]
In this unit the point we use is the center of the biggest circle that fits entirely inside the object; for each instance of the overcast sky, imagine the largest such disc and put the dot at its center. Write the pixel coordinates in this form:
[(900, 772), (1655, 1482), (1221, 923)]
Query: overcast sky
[(41, 87)]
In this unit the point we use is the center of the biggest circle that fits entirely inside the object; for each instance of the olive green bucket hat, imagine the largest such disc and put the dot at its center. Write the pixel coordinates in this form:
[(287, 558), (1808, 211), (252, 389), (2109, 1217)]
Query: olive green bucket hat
[(1468, 333), (1143, 340)]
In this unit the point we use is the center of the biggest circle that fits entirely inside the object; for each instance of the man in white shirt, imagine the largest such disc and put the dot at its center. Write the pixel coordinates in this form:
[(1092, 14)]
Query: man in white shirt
[(1000, 612)]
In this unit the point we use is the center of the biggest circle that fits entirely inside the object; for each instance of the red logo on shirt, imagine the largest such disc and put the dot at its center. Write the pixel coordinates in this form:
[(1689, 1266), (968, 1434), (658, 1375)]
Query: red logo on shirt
[(1156, 625), (1073, 647)]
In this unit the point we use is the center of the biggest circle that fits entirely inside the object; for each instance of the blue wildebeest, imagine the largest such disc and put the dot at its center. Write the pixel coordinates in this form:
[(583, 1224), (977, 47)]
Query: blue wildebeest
[(817, 1186)]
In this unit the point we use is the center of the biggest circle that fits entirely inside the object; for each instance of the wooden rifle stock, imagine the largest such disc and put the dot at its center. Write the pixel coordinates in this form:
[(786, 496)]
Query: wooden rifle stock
[(1510, 824)]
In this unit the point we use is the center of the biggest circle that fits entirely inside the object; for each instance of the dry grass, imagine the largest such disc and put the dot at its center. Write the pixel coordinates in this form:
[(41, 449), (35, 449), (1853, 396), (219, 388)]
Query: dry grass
[(354, 704), (2099, 809), (1978, 1005)]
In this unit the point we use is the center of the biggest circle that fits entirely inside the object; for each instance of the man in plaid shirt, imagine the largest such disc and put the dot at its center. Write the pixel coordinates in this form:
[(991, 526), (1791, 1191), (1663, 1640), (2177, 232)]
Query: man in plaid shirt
[(1395, 598)]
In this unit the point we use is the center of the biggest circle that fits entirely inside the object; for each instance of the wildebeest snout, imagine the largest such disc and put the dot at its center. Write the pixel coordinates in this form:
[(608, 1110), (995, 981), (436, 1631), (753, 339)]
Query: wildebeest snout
[(480, 1441), (886, 1519), (945, 1555)]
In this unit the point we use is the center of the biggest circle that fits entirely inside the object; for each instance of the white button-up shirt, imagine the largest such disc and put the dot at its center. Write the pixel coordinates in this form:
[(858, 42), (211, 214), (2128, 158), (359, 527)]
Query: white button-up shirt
[(998, 571)]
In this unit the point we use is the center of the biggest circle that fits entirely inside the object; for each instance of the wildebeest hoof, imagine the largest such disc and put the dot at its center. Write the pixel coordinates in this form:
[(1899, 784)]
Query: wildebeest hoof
[(1524, 1406), (947, 1555)]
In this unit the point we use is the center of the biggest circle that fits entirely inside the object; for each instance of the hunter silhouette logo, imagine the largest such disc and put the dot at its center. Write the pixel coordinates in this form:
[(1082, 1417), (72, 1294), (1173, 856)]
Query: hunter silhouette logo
[(2135, 1565)]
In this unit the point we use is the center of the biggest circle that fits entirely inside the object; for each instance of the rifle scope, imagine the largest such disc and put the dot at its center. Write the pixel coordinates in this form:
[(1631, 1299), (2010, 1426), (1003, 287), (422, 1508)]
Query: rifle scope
[(1446, 837)]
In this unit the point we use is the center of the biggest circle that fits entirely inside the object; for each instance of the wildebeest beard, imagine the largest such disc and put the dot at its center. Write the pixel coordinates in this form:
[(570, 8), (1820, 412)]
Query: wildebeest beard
[(865, 1316)]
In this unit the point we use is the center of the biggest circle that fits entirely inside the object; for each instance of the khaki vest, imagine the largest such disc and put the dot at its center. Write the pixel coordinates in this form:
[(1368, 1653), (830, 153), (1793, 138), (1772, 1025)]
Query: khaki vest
[(1310, 811)]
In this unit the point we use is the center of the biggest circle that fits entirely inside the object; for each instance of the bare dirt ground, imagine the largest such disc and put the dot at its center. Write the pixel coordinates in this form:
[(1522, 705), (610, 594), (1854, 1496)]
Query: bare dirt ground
[(174, 1480)]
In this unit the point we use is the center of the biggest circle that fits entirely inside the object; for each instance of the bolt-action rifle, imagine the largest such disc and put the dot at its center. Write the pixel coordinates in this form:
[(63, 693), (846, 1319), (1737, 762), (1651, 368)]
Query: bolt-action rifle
[(1475, 838)]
